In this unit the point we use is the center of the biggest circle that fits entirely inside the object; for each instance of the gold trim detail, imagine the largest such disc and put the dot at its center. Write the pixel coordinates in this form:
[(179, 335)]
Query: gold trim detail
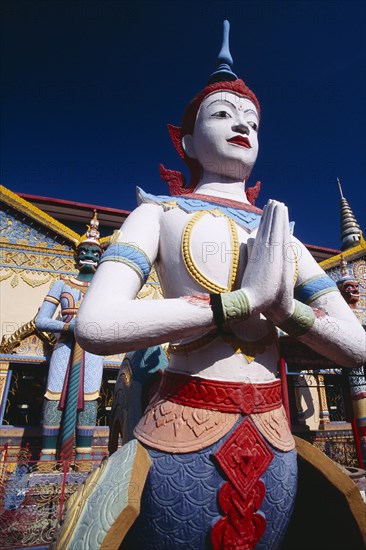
[(324, 417), (51, 299), (75, 283), (195, 345), (191, 266), (248, 349), (29, 360), (359, 272), (75, 506), (12, 199), (3, 379), (21, 274), (6, 276), (35, 282), (151, 288), (56, 396), (37, 260), (52, 395), (350, 254), (26, 207), (251, 349), (8, 343), (296, 273)]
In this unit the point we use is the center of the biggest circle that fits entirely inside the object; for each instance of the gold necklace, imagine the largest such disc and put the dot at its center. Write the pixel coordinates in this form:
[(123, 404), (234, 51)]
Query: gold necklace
[(192, 267)]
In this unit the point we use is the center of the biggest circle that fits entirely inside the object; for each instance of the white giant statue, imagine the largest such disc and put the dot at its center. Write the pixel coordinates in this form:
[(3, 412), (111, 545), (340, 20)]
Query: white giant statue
[(224, 468)]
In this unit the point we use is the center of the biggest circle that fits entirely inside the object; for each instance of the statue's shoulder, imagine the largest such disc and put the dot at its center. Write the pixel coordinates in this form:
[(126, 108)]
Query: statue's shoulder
[(57, 287), (164, 201), (195, 201), (72, 282), (65, 279), (58, 284), (245, 215)]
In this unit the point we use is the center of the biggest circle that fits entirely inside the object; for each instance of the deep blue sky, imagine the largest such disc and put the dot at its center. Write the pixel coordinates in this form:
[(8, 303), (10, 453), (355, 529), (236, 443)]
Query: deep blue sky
[(88, 87)]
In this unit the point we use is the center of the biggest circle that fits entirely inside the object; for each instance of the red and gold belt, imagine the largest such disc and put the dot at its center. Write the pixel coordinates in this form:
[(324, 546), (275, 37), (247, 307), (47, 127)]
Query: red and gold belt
[(218, 395)]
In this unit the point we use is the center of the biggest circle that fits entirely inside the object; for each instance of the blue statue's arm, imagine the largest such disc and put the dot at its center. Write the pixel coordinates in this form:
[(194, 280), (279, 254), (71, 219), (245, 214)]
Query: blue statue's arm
[(44, 320)]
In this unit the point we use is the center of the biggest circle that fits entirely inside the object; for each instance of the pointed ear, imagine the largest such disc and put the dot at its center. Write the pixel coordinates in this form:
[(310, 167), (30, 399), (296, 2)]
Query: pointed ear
[(188, 146)]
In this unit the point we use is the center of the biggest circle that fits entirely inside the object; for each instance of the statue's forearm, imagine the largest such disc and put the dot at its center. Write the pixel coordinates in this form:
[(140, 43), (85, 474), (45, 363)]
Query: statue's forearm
[(51, 325), (119, 325), (45, 321), (338, 340)]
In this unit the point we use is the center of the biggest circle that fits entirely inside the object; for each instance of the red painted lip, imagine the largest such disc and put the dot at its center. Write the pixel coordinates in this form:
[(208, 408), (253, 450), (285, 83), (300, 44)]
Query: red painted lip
[(240, 140)]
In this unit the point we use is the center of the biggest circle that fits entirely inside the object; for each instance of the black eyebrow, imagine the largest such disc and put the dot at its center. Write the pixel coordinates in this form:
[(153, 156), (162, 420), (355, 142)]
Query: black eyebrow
[(221, 101), (233, 105), (251, 111)]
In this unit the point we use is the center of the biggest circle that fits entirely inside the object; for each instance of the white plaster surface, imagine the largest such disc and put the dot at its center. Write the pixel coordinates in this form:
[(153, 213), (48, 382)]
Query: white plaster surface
[(111, 321)]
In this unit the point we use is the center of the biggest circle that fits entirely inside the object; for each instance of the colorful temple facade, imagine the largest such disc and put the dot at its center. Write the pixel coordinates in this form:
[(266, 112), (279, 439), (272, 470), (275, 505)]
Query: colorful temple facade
[(328, 403), (38, 238)]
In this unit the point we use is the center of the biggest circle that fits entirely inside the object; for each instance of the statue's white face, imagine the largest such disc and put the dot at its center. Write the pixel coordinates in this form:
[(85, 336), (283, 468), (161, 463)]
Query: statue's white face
[(225, 139)]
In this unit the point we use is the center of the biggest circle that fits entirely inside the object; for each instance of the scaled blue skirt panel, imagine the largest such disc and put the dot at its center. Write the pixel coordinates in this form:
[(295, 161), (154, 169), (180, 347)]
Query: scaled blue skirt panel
[(179, 501)]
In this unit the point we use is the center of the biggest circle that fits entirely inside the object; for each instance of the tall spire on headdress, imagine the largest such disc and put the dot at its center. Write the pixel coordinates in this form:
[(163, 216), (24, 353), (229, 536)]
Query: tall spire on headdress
[(92, 233), (223, 72), (350, 230), (223, 79)]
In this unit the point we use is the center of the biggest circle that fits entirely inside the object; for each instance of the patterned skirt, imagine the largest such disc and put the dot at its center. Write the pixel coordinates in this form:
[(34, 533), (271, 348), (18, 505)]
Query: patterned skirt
[(229, 495)]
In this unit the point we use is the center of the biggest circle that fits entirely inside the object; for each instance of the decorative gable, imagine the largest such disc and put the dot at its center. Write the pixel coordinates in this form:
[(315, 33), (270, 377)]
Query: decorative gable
[(355, 259), (17, 228), (35, 246)]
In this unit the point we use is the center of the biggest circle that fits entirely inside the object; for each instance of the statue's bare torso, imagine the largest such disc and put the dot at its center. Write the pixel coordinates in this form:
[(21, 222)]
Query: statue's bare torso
[(212, 259)]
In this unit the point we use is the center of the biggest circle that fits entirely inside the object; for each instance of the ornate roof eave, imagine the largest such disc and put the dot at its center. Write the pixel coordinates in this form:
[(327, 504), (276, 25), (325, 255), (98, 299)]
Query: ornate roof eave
[(27, 208), (350, 254)]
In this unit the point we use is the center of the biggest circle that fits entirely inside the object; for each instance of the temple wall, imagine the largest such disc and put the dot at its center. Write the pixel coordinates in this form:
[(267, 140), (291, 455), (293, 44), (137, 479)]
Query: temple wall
[(35, 254), (36, 250), (356, 268), (19, 303)]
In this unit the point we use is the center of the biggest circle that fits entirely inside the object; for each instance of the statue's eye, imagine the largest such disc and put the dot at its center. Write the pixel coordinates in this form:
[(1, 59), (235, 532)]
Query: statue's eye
[(254, 125), (221, 114)]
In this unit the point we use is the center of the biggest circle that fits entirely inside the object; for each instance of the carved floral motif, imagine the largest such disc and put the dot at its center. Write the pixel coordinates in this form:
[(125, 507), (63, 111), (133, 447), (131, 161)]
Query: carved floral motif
[(244, 457)]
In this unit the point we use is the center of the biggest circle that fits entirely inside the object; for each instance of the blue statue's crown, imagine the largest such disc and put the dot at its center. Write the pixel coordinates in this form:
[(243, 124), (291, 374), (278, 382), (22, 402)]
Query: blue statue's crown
[(224, 61)]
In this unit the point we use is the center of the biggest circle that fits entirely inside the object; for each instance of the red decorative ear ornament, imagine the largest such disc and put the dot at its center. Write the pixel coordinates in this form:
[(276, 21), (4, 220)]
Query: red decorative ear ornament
[(175, 136), (222, 79), (253, 192), (174, 178)]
